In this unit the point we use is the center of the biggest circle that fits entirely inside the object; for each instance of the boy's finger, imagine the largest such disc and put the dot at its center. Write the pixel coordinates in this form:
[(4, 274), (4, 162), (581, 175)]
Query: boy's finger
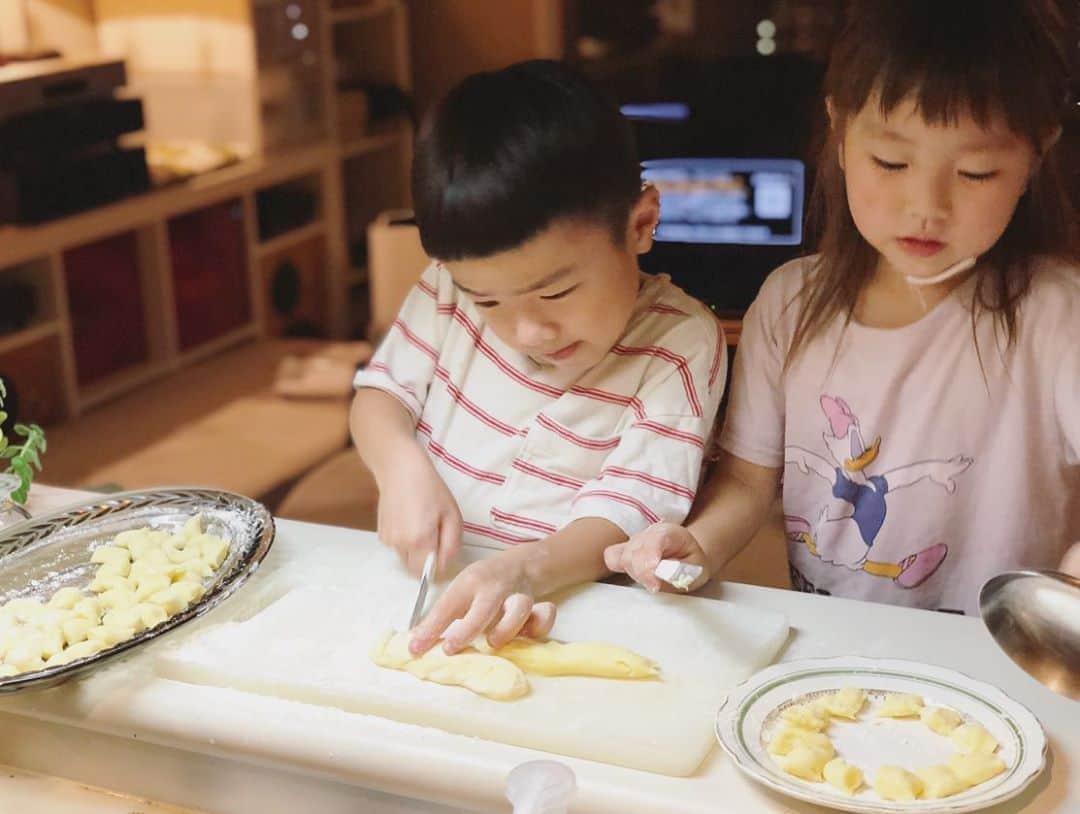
[(613, 557), (515, 613), (482, 612), (541, 620), (449, 607)]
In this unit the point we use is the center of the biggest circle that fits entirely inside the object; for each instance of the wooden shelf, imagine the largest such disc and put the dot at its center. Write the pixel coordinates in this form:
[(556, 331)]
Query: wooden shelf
[(374, 8), (27, 336), (356, 277), (290, 238), (120, 382), (215, 346)]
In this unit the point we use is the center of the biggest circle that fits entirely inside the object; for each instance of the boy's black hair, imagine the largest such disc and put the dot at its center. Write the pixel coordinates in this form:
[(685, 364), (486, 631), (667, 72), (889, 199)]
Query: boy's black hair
[(508, 152)]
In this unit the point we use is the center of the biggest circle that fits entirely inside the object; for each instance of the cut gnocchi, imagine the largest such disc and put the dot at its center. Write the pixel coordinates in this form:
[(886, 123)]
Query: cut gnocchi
[(800, 745), (143, 576)]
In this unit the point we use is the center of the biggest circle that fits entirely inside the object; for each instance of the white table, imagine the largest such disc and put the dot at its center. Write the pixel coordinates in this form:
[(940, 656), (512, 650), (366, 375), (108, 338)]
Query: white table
[(225, 751)]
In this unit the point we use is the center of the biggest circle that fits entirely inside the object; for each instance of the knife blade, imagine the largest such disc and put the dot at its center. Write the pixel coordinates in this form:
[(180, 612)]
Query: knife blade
[(427, 576)]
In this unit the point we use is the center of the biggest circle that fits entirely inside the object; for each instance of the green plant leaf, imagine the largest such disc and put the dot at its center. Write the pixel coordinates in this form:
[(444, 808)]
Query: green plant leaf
[(22, 493)]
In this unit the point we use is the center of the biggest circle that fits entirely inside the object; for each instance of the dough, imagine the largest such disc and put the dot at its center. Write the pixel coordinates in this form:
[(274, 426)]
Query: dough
[(972, 738), (490, 676), (551, 658), (840, 774), (66, 598), (976, 768), (900, 705), (939, 782), (787, 738), (805, 716), (940, 719), (845, 703), (805, 762), (894, 783)]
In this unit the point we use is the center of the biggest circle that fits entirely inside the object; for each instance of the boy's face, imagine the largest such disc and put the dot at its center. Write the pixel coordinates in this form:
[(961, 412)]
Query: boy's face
[(927, 195), (565, 297)]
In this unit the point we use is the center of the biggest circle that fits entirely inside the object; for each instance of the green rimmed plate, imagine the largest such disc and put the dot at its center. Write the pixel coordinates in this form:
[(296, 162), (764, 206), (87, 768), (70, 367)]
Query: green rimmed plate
[(751, 713)]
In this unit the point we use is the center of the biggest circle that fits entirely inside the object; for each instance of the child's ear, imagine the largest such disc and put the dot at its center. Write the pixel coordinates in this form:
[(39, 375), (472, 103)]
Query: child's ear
[(643, 219)]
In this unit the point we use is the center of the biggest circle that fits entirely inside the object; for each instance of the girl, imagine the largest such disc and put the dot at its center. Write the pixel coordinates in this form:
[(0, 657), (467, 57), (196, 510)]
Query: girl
[(916, 384)]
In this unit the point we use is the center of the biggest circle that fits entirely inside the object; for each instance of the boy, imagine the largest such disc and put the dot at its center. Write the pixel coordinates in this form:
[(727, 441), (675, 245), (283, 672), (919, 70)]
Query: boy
[(537, 393)]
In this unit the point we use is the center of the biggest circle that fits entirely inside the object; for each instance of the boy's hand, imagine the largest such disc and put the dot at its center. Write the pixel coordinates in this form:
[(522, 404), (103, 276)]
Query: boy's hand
[(418, 513), (639, 556), (491, 595)]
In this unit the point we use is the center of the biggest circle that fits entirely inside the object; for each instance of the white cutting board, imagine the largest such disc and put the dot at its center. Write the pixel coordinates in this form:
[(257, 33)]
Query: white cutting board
[(312, 646)]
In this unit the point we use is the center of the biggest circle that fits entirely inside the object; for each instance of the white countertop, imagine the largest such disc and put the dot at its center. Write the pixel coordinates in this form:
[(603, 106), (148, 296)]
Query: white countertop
[(195, 746)]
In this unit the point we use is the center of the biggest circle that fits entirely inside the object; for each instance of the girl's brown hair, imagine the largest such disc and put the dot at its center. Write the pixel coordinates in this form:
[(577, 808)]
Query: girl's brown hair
[(988, 58)]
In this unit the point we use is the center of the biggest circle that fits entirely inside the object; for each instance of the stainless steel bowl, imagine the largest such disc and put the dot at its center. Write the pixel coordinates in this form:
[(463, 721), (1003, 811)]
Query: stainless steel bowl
[(1034, 616)]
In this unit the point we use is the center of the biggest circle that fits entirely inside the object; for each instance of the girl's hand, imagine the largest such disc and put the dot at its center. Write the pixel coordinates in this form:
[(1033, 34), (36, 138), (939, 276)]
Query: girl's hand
[(491, 596), (639, 556), (1070, 563), (417, 513)]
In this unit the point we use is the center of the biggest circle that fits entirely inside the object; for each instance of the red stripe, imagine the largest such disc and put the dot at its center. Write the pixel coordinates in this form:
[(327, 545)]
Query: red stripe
[(652, 480), (673, 358), (499, 362), (428, 289), (415, 340), (453, 461), (721, 353), (659, 308), (668, 432), (379, 367), (550, 477), (579, 440), (611, 398), (620, 498), (496, 534), (471, 407), (524, 522)]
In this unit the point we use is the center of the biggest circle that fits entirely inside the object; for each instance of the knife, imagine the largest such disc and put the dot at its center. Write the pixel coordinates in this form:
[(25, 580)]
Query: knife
[(427, 576)]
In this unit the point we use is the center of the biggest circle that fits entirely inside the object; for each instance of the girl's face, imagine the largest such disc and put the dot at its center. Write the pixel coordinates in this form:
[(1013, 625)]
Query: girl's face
[(927, 195)]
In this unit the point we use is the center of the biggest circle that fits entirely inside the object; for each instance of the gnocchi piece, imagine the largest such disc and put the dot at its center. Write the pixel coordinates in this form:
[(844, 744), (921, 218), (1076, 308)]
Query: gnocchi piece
[(805, 717), (88, 608), (111, 555), (113, 570), (124, 618), (188, 590), (940, 719), (116, 598), (782, 742), (77, 651), (155, 557), (51, 642), (193, 570), (939, 782), (66, 598), (169, 600), (141, 569), (126, 539), (25, 656), (150, 614), (841, 775), (845, 703), (150, 584), (805, 762), (108, 635), (975, 768), (972, 738), (895, 783), (900, 705), (182, 551), (24, 609), (76, 629), (214, 550), (193, 527), (109, 582)]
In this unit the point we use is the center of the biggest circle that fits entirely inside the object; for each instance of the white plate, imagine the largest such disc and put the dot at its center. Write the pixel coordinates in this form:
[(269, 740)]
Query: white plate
[(745, 722)]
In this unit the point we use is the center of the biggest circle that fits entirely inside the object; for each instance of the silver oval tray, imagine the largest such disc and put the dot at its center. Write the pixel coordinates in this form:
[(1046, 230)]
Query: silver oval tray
[(43, 554)]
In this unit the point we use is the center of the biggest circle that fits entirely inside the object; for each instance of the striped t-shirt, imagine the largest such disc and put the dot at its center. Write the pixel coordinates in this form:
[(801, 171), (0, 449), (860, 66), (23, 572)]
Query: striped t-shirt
[(525, 450)]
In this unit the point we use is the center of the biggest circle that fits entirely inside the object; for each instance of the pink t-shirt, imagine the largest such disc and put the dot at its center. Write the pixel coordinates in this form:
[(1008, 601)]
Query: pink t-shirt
[(914, 469)]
